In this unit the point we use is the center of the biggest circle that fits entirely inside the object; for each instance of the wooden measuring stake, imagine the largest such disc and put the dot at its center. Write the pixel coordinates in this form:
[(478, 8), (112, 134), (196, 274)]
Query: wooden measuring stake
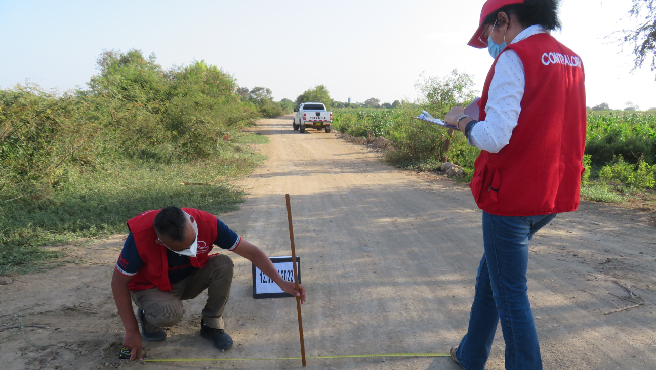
[(298, 299)]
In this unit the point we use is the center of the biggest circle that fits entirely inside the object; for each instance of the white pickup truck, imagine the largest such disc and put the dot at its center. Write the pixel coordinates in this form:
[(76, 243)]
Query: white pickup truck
[(314, 115)]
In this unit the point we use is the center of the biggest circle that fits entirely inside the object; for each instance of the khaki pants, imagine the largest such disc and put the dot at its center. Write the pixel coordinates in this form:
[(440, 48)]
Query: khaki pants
[(164, 309)]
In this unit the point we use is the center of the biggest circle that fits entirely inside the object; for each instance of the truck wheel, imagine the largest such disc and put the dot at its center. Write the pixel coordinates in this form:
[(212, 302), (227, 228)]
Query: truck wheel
[(328, 129), (302, 128), (295, 126)]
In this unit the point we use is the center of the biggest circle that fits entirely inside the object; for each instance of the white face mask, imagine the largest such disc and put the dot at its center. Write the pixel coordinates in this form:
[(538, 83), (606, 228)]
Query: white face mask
[(191, 251)]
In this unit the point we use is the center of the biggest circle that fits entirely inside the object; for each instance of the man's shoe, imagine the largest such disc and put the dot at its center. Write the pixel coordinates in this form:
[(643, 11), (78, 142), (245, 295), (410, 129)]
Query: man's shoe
[(453, 355), (156, 336), (219, 337)]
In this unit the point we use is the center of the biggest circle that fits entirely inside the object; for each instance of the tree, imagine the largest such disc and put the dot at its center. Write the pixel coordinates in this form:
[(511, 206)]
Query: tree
[(601, 107), (438, 95), (630, 107), (643, 38), (244, 93), (316, 94), (386, 105), (396, 104), (259, 93), (287, 105), (372, 103)]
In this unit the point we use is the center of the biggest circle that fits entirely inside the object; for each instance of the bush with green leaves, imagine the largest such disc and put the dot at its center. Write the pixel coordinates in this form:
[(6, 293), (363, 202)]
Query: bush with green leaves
[(79, 164), (414, 141), (271, 109), (587, 164), (41, 134), (640, 176)]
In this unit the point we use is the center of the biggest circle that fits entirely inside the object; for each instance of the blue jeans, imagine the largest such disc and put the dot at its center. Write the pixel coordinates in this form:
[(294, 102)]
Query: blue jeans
[(501, 295)]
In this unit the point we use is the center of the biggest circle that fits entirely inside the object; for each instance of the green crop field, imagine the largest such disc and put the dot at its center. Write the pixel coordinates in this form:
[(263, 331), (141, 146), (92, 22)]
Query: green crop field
[(620, 147)]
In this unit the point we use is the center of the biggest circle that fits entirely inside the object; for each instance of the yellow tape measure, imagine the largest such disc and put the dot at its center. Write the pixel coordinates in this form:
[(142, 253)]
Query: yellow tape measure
[(307, 357)]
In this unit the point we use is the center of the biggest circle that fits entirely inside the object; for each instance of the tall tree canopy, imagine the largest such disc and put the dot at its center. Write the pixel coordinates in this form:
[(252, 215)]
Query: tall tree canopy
[(317, 94)]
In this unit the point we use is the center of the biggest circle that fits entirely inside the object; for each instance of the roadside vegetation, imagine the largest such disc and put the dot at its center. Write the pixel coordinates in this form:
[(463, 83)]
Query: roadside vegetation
[(77, 165), (620, 156)]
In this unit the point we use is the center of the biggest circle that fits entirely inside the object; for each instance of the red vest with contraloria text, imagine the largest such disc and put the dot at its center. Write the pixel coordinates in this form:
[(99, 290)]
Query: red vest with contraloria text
[(539, 171), (155, 269)]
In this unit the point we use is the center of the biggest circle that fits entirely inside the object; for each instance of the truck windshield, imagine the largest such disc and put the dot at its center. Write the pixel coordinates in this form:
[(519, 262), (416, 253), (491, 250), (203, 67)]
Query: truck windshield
[(313, 107)]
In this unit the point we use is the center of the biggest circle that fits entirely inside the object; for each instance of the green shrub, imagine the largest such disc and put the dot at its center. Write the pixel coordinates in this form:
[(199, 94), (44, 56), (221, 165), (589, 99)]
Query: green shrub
[(41, 135), (78, 165), (270, 109), (419, 141), (416, 142), (587, 164), (640, 176)]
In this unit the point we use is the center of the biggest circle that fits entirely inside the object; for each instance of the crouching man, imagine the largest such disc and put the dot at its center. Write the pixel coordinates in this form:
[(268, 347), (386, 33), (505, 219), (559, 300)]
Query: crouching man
[(166, 260)]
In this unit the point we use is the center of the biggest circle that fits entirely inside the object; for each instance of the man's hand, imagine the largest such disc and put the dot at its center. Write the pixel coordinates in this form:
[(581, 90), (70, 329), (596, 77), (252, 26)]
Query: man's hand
[(132, 341), (289, 287)]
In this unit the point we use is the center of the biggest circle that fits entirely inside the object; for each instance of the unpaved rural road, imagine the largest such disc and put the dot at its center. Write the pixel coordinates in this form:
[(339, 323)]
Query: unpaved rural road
[(389, 260)]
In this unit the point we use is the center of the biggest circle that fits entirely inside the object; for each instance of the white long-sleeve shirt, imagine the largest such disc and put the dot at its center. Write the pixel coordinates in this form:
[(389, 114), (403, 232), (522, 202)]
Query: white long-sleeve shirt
[(504, 97)]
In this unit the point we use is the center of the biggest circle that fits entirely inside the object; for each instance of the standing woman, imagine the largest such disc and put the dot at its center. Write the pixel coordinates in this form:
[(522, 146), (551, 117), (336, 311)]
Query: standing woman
[(531, 132)]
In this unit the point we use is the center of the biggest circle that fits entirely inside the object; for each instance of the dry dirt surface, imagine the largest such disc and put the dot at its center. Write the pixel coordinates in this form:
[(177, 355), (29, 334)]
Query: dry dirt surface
[(389, 259)]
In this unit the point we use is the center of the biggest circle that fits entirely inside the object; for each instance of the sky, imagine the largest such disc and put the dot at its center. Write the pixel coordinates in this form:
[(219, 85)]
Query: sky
[(358, 49)]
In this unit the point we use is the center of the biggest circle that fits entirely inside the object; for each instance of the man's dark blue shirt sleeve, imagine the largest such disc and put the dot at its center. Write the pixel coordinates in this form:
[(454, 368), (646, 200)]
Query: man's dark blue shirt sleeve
[(225, 237), (129, 262)]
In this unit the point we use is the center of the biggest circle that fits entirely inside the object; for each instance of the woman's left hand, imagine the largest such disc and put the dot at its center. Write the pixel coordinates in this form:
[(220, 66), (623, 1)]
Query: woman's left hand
[(451, 118)]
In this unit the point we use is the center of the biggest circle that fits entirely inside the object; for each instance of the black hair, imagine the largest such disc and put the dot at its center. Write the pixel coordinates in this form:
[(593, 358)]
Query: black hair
[(530, 12), (170, 222)]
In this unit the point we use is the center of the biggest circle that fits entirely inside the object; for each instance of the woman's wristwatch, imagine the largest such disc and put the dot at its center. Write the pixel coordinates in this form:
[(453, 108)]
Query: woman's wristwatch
[(459, 119)]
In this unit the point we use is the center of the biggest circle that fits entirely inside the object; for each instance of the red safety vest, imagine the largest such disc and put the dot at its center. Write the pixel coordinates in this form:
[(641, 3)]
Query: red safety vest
[(539, 171), (155, 269)]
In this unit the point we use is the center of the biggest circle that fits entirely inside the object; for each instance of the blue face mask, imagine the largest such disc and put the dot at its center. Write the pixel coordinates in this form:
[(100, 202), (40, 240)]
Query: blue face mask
[(493, 48)]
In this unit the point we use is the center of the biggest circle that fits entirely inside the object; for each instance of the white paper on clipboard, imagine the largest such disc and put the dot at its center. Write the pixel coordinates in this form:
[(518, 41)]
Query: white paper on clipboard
[(425, 116)]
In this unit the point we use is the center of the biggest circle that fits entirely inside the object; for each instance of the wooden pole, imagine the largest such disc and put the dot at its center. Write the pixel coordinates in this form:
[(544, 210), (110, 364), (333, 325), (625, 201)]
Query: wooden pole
[(298, 299)]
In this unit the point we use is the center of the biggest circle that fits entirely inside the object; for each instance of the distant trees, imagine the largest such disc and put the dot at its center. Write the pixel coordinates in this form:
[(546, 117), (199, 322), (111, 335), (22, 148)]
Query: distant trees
[(601, 107), (630, 107), (287, 105), (316, 94), (369, 103), (372, 103), (339, 104), (262, 98)]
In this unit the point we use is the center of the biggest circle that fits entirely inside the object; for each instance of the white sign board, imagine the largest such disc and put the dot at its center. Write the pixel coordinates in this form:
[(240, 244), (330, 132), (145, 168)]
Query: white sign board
[(263, 287)]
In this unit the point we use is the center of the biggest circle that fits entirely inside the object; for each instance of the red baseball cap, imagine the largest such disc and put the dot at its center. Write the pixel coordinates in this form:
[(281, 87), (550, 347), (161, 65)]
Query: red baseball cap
[(489, 7)]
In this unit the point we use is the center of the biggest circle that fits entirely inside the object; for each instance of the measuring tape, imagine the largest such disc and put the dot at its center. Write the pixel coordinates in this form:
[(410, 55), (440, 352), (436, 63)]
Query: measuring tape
[(125, 354)]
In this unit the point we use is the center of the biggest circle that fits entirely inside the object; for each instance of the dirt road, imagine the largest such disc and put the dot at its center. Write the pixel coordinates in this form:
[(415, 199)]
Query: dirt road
[(389, 260)]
